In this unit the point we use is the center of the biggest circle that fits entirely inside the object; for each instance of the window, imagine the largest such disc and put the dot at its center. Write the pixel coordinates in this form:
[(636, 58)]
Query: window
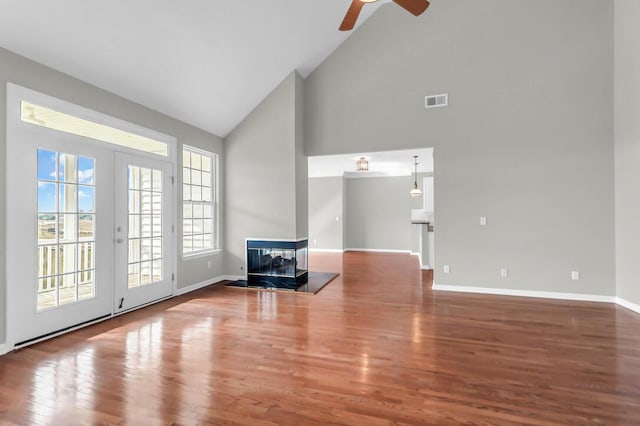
[(145, 226), (199, 207), (45, 117)]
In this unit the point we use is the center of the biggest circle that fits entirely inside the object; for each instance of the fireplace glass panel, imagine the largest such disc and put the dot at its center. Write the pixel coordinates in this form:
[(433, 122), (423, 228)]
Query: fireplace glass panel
[(279, 264)]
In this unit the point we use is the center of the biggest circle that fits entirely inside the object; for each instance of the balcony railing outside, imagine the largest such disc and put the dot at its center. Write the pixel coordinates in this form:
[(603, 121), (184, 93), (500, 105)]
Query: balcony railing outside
[(55, 290)]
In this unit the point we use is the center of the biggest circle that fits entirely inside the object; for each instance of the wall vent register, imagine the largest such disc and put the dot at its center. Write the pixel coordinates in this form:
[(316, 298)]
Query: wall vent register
[(436, 101)]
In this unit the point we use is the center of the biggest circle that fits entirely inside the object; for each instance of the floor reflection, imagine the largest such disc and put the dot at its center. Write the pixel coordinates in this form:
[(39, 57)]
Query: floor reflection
[(144, 348), (192, 386), (364, 368), (416, 329), (63, 386), (267, 305)]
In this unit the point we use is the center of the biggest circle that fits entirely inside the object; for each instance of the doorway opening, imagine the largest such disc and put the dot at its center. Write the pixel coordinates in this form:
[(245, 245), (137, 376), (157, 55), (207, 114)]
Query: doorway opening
[(362, 202)]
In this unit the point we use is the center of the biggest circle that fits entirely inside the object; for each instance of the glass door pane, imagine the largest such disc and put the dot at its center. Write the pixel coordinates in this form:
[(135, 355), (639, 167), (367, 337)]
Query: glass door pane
[(145, 226), (66, 228)]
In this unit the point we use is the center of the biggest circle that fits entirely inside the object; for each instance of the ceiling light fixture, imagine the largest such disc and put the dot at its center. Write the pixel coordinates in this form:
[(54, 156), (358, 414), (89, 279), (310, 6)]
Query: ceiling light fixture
[(362, 165), (415, 7), (415, 192)]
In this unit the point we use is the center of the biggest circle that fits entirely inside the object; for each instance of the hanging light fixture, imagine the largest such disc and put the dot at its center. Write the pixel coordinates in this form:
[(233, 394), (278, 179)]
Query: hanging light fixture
[(362, 165), (415, 192)]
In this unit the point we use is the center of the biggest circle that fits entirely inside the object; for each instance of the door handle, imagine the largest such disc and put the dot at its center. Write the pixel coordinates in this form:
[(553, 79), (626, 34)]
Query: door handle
[(119, 240)]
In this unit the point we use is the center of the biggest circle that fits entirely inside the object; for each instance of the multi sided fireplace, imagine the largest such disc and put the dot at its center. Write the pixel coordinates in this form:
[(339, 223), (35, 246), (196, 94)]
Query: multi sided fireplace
[(277, 263)]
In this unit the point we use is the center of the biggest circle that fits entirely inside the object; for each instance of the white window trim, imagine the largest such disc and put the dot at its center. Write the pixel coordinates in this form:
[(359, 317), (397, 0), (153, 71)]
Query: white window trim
[(217, 249), (25, 94)]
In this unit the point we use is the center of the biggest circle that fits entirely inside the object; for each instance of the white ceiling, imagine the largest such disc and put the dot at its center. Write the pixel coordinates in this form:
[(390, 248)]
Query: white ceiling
[(205, 62), (386, 163)]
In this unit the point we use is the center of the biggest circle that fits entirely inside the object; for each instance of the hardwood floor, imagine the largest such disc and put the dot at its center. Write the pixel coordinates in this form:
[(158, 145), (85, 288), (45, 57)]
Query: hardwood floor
[(374, 347)]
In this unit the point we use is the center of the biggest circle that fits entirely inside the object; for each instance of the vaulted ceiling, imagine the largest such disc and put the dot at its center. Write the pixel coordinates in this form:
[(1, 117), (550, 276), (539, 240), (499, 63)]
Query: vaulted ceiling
[(205, 62)]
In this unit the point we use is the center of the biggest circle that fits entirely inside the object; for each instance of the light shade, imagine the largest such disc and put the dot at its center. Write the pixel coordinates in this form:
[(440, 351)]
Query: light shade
[(415, 192)]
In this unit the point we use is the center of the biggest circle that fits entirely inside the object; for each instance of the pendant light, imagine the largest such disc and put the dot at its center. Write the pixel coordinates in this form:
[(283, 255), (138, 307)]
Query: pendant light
[(415, 192), (362, 165)]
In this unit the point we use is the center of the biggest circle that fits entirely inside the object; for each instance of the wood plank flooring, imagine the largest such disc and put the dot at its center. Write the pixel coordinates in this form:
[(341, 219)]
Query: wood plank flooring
[(375, 347)]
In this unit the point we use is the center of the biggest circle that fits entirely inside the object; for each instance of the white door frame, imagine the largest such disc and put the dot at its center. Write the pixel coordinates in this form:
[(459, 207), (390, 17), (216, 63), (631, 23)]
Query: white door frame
[(136, 297), (16, 94)]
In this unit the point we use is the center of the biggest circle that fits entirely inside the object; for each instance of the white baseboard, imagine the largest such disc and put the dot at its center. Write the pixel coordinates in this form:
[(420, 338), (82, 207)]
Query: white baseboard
[(233, 277), (5, 349), (527, 293), (629, 305), (541, 294), (206, 283), (318, 250), (69, 330), (379, 250), (423, 267), (197, 286), (413, 253)]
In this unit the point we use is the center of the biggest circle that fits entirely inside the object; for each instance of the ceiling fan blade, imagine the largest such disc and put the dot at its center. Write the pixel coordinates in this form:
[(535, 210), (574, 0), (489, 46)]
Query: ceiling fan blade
[(415, 7), (351, 17)]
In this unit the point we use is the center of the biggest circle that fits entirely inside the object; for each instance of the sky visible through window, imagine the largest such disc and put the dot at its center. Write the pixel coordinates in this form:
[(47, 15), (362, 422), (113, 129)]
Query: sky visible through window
[(47, 177)]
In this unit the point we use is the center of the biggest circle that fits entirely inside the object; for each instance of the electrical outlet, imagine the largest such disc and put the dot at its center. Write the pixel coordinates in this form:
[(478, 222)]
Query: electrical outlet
[(575, 275), (483, 221), (504, 272), (209, 264), (447, 269)]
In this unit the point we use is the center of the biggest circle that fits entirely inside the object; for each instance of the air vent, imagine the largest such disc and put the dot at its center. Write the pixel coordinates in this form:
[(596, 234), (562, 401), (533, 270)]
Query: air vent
[(436, 101)]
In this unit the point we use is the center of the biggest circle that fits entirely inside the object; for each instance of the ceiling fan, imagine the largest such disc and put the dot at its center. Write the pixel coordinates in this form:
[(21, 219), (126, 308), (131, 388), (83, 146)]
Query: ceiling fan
[(416, 7)]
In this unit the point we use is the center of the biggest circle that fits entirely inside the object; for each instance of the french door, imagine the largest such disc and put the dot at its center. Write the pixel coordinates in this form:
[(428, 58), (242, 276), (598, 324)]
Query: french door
[(89, 232), (59, 234), (143, 231)]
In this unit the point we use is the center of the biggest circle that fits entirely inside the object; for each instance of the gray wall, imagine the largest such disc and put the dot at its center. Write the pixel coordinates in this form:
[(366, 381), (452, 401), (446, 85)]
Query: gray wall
[(378, 213), (22, 71), (374, 214), (326, 195), (627, 148), (263, 192), (526, 140)]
